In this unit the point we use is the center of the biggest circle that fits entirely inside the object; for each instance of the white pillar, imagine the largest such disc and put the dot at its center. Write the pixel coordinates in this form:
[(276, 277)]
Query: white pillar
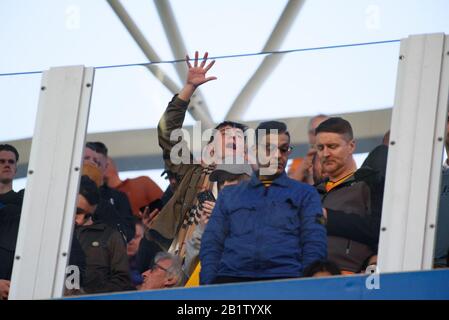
[(47, 221), (415, 154)]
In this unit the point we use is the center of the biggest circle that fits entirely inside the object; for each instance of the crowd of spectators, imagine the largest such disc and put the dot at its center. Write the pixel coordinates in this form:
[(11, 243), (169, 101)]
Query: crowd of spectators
[(226, 220)]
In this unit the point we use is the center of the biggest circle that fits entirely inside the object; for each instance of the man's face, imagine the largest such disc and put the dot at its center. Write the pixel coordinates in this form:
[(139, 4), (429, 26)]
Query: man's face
[(229, 142), (335, 153), (96, 158), (272, 153), (133, 245), (157, 277), (8, 166), (313, 125), (83, 207)]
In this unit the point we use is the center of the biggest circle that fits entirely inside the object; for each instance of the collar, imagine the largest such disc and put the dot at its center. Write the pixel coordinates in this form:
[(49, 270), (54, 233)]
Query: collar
[(282, 180), (95, 226)]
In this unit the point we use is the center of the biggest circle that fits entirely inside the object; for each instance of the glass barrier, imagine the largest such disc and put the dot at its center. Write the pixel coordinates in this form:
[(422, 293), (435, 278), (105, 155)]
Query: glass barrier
[(123, 157)]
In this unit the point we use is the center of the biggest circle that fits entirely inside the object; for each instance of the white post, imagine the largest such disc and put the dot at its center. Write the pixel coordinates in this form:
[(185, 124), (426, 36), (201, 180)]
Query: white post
[(43, 245), (415, 154)]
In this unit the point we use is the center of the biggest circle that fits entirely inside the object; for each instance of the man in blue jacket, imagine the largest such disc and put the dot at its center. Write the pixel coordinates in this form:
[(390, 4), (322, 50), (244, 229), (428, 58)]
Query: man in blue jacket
[(269, 227)]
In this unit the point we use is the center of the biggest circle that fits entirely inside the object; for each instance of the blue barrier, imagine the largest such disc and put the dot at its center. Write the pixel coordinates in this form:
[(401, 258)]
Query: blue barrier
[(406, 285)]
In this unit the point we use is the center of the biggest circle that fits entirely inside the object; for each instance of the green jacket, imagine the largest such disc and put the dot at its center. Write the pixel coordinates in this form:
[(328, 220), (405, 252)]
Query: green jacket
[(107, 268), (168, 222)]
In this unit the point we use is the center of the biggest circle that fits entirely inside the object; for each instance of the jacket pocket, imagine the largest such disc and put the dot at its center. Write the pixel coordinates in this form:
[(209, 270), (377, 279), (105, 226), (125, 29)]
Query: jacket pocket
[(284, 215), (242, 219)]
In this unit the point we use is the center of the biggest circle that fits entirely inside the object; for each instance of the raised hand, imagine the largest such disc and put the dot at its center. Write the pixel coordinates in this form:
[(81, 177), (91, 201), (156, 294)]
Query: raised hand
[(196, 75)]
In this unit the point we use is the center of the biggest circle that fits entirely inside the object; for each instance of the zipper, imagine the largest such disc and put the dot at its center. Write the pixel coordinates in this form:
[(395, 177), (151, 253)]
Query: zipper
[(348, 247)]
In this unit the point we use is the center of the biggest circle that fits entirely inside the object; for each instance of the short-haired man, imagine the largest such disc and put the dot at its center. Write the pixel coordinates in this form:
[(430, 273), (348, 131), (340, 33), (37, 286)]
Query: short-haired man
[(351, 198), (10, 210), (268, 227), (307, 169), (114, 208), (166, 272), (107, 268)]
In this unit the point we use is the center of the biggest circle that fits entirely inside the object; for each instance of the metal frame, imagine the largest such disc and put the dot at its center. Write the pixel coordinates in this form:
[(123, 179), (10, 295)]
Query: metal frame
[(179, 51), (196, 107), (139, 149), (45, 233), (269, 63), (415, 156)]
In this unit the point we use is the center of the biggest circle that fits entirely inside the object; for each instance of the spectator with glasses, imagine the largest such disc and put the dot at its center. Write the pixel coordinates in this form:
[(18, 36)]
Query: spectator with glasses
[(269, 227), (165, 272)]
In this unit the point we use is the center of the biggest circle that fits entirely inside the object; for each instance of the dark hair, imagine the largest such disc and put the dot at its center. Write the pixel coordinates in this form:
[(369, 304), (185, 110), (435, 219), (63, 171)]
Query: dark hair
[(366, 263), (265, 127), (8, 147), (227, 176), (98, 147), (322, 266), (336, 125), (231, 124), (89, 190)]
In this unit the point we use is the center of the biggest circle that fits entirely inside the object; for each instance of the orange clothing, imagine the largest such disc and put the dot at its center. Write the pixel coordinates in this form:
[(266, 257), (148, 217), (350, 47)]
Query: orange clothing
[(141, 191), (332, 184), (347, 273), (294, 165)]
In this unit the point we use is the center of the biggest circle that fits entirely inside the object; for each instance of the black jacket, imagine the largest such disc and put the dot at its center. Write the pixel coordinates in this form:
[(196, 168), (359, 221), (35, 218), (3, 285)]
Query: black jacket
[(114, 210), (10, 211), (353, 221)]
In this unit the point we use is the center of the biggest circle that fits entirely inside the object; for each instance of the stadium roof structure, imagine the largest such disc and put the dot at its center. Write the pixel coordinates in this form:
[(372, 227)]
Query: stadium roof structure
[(286, 60)]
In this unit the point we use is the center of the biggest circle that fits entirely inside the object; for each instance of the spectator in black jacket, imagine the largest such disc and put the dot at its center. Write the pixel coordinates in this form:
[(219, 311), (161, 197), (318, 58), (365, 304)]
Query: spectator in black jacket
[(114, 208), (10, 210), (351, 198)]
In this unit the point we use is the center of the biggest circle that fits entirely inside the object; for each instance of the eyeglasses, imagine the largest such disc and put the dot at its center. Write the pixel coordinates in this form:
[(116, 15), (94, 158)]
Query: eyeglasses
[(9, 161), (271, 148), (156, 265)]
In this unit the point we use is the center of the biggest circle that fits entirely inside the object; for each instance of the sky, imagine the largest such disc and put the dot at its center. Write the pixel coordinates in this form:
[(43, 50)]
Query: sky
[(37, 35)]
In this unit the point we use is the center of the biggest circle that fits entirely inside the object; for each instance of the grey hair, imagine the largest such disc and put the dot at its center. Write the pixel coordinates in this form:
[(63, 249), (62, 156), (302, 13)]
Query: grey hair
[(175, 269)]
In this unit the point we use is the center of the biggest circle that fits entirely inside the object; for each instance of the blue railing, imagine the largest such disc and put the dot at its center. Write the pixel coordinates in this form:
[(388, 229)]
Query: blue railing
[(406, 285)]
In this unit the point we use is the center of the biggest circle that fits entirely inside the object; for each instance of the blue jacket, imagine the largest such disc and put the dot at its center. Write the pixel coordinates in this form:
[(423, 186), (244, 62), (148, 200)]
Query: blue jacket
[(263, 233)]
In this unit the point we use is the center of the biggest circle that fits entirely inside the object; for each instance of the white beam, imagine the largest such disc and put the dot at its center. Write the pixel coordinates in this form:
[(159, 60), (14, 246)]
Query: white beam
[(414, 161), (151, 55), (179, 51), (269, 63), (46, 224)]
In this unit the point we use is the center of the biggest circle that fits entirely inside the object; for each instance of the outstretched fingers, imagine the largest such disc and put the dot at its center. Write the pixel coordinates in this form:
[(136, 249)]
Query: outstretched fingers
[(203, 62), (209, 79), (209, 65), (188, 61), (195, 63)]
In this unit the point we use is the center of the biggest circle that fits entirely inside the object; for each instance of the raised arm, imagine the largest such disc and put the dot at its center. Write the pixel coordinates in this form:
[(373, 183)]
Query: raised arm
[(173, 117)]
